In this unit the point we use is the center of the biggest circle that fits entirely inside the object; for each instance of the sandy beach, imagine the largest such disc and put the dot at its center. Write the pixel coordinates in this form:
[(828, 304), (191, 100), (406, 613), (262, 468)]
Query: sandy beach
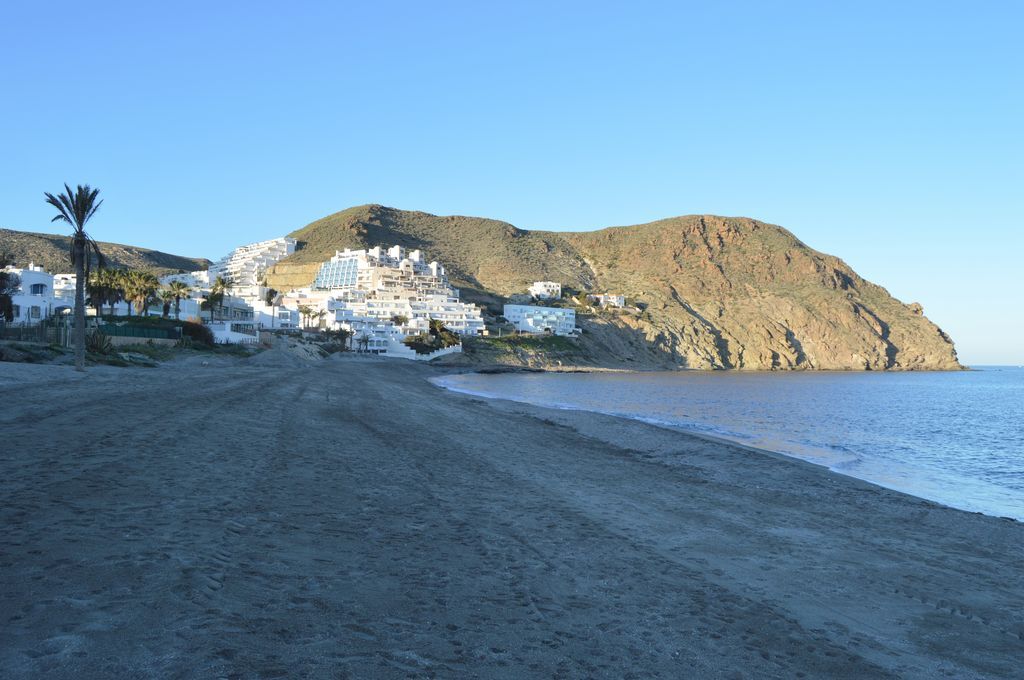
[(274, 517)]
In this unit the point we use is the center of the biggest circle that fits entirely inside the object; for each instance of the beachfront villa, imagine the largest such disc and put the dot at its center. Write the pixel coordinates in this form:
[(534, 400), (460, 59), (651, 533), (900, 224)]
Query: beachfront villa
[(34, 301), (535, 319), (546, 290)]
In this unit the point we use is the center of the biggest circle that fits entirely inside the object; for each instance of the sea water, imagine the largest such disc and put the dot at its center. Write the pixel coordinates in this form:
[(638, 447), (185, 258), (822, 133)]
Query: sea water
[(953, 437)]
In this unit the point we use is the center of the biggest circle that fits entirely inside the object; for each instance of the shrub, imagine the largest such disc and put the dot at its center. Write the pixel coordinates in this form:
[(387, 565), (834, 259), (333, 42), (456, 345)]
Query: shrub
[(98, 343), (333, 347), (196, 332), (149, 349)]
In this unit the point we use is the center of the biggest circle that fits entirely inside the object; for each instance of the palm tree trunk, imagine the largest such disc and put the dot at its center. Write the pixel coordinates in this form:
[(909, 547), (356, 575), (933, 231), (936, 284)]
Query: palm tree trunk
[(79, 247), (177, 309)]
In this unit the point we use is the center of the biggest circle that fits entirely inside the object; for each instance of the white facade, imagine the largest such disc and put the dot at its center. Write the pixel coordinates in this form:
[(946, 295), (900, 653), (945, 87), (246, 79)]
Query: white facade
[(64, 288), (369, 289), (610, 300), (546, 290), (534, 319), (275, 316), (391, 271), (224, 334), (246, 265), (34, 300), (194, 280)]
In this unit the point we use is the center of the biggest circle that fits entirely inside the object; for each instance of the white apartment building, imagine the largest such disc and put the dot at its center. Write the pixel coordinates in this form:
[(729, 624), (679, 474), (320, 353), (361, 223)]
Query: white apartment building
[(377, 285), (33, 300), (197, 280), (246, 265), (546, 290), (376, 269), (534, 319)]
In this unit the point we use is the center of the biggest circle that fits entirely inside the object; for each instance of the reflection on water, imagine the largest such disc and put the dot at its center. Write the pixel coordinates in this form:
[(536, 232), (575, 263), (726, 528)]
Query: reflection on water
[(956, 438)]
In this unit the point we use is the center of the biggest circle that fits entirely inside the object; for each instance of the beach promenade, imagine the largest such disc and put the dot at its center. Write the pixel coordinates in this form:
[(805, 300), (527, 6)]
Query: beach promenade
[(273, 517)]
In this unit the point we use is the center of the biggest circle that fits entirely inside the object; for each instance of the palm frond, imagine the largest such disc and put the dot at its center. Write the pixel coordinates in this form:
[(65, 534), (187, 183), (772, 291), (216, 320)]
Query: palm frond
[(55, 202)]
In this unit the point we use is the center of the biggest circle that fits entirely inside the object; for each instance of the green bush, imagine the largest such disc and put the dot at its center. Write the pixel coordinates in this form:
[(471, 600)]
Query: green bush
[(98, 343), (196, 332)]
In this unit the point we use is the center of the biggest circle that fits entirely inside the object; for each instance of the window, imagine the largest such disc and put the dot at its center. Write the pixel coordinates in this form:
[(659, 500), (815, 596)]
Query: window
[(34, 312), (17, 311), (38, 289)]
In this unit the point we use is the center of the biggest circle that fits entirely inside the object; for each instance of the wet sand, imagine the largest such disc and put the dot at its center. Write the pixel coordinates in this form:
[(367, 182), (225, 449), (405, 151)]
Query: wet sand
[(281, 518)]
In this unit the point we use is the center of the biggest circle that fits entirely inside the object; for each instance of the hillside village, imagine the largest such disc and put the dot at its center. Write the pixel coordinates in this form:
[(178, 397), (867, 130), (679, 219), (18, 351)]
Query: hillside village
[(689, 292), (390, 302)]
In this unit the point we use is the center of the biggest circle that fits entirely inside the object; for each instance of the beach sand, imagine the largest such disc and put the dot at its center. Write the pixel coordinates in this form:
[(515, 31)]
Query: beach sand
[(346, 518)]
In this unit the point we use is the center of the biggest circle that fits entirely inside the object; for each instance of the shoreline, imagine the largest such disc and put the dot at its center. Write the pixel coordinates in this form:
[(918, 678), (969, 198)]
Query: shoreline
[(711, 438), (366, 524)]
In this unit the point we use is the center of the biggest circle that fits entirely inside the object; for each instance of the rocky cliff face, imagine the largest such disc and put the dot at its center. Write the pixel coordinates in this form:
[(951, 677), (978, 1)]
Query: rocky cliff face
[(716, 292), (738, 293)]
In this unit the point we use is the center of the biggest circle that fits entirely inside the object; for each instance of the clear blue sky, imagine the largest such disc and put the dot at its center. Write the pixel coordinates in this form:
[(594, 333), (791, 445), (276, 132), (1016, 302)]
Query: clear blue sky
[(889, 134)]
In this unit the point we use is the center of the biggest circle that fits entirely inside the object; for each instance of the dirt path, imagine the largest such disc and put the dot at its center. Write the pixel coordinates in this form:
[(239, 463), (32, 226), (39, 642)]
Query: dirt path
[(347, 519)]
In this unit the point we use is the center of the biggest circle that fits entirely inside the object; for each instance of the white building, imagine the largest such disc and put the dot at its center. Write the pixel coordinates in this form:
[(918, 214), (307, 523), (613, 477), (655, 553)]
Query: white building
[(64, 288), (534, 319), (246, 266), (197, 280), (609, 300), (546, 290), (33, 300), (394, 292)]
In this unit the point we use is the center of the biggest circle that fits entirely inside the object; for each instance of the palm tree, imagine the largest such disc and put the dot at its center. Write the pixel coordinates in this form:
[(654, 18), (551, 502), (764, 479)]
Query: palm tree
[(305, 312), (95, 293), (180, 289), (104, 288), (270, 298), (140, 287), (120, 284), (220, 288), (166, 296), (77, 209), (320, 317)]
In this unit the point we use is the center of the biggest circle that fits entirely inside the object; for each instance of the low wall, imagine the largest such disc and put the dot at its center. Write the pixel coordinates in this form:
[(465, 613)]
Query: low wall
[(118, 340)]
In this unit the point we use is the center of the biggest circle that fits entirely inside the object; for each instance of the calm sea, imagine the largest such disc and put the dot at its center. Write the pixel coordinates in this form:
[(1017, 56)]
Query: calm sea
[(956, 438)]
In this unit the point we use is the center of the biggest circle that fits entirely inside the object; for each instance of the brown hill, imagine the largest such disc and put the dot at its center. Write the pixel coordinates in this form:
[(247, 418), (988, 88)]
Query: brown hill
[(717, 292), (51, 251)]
